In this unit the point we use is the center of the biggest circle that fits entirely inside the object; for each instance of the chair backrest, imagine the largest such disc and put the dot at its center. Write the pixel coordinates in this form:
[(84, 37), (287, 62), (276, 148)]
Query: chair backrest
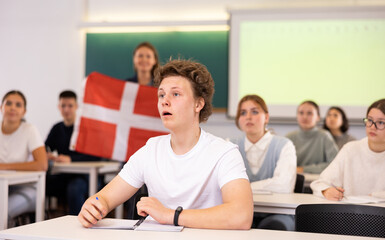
[(299, 184), (344, 219), (142, 192)]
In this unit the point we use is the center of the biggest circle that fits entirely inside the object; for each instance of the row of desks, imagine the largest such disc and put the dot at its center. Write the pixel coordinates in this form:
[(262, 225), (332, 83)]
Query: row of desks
[(68, 227), (271, 203), (8, 178)]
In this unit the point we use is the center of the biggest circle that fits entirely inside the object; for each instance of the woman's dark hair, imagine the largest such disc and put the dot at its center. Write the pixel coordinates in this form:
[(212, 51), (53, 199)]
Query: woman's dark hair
[(379, 104), (345, 123), (313, 104), (153, 49), (12, 92)]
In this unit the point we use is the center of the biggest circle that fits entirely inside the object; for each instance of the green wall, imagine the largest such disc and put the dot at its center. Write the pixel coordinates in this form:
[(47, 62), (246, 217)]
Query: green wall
[(111, 54)]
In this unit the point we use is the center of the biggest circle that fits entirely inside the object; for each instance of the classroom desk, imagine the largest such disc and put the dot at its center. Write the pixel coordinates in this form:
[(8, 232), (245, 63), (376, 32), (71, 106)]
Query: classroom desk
[(287, 203), (8, 178), (93, 169), (68, 227)]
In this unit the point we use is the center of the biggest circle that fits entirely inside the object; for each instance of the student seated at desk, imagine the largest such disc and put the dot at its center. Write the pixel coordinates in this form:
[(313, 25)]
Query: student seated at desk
[(337, 124), (193, 178), (315, 147), (359, 167), (72, 187), (270, 160), (21, 148)]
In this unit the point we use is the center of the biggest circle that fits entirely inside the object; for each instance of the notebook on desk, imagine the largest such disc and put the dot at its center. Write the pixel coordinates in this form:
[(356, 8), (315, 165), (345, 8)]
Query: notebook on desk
[(362, 199), (136, 225)]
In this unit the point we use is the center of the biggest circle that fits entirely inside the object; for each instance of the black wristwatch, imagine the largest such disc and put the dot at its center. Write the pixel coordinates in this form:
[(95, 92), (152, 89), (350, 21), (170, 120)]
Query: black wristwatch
[(178, 210)]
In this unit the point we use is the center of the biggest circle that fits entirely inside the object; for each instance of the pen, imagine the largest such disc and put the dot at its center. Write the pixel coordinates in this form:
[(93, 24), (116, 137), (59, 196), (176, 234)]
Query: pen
[(336, 188), (99, 211), (138, 222)]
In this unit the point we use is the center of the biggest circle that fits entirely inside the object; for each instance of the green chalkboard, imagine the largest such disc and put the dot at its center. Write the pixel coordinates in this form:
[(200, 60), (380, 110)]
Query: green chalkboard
[(111, 54)]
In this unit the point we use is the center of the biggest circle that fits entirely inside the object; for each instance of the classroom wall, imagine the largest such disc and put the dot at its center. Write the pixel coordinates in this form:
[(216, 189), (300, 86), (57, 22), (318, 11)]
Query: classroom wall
[(176, 10), (42, 47), (41, 54), (221, 126)]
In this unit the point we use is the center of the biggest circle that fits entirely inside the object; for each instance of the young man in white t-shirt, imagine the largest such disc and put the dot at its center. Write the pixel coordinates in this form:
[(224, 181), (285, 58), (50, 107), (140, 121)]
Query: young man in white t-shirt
[(188, 169)]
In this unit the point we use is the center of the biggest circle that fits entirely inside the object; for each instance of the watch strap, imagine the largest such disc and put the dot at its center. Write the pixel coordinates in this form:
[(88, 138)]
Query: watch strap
[(178, 210)]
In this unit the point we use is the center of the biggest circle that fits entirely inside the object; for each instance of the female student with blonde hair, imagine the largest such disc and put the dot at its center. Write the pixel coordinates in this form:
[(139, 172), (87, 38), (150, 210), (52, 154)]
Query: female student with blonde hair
[(270, 160), (21, 148), (359, 167), (187, 169)]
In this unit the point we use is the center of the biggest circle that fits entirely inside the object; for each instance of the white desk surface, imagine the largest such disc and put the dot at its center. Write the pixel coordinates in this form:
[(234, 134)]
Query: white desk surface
[(68, 227), (287, 203), (8, 178), (84, 167)]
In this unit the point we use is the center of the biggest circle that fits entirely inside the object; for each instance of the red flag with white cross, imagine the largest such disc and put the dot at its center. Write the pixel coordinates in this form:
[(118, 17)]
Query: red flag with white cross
[(116, 118)]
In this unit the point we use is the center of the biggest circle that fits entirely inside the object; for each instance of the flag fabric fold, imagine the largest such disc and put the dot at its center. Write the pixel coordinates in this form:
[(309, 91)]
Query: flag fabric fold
[(116, 118)]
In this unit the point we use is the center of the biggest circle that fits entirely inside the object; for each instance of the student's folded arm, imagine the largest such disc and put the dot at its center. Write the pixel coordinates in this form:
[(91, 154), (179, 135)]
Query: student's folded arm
[(39, 163), (236, 212)]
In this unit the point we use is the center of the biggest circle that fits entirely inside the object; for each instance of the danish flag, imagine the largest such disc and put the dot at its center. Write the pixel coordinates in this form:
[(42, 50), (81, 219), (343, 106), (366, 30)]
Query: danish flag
[(116, 118)]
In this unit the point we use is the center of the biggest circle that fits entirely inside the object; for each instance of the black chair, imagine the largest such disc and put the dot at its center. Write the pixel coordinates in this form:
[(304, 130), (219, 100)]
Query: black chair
[(299, 184), (132, 211), (343, 219)]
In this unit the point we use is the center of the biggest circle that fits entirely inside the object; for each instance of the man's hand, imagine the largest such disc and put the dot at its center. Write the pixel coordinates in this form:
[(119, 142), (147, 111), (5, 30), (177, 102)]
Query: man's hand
[(93, 210), (151, 206), (62, 158)]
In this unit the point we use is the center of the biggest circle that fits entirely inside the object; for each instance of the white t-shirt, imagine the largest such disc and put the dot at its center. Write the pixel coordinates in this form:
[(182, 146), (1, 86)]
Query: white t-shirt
[(356, 168), (18, 146), (192, 180)]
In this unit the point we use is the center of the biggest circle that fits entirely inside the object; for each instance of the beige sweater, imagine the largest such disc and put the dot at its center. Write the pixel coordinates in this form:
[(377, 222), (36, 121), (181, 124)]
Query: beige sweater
[(356, 168)]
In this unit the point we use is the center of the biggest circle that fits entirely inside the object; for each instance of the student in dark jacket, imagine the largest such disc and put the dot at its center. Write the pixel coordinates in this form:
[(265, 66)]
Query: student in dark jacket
[(72, 187)]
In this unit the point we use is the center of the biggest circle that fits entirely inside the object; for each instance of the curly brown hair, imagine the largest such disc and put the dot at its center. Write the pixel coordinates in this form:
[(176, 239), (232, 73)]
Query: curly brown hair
[(197, 74)]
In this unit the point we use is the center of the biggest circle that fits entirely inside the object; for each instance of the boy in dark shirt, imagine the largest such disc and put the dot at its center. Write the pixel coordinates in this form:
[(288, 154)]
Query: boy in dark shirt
[(72, 187)]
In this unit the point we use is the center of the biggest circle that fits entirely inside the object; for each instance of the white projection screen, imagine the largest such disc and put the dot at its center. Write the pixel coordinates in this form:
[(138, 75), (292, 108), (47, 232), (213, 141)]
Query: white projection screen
[(334, 56)]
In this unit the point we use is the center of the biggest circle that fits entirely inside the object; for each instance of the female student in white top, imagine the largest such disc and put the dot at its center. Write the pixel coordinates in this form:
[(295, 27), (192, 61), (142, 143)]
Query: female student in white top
[(188, 168), (359, 167), (21, 148), (270, 160)]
